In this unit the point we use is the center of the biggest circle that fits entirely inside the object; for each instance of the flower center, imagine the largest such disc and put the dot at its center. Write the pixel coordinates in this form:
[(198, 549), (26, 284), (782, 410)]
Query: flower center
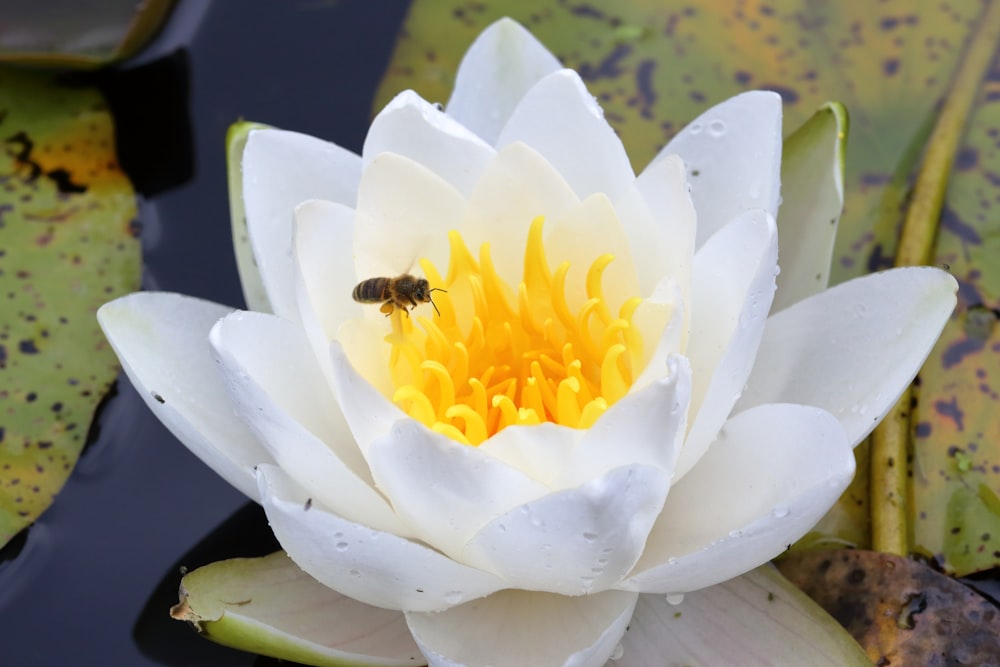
[(497, 357)]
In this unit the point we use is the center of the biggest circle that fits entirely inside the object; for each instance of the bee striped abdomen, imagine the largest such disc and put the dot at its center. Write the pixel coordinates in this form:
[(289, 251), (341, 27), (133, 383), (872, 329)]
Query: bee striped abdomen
[(372, 290)]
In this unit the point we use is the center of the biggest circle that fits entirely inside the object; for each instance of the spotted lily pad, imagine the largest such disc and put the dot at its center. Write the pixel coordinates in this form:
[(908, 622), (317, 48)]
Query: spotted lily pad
[(655, 64), (67, 245)]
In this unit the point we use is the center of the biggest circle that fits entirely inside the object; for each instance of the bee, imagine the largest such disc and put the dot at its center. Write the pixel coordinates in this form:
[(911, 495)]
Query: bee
[(399, 292)]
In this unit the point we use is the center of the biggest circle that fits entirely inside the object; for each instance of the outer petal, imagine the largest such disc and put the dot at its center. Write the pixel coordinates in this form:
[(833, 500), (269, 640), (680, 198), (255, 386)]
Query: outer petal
[(279, 391), (404, 213), (269, 606), (775, 470), (497, 70), (162, 342), (733, 156), (445, 490), (756, 620), (412, 127), (280, 170), (851, 349), (518, 628), (733, 285), (560, 119), (577, 541), (812, 176), (373, 567), (253, 288)]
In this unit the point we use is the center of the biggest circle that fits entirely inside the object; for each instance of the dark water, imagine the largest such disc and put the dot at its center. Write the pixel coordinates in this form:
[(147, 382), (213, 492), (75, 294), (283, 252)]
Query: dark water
[(97, 573)]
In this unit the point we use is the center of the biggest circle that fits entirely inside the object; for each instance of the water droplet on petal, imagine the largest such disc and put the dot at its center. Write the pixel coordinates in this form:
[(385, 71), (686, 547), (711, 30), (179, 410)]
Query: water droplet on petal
[(694, 128), (780, 512), (618, 652), (590, 537), (672, 560), (717, 128), (453, 597), (675, 598), (341, 546)]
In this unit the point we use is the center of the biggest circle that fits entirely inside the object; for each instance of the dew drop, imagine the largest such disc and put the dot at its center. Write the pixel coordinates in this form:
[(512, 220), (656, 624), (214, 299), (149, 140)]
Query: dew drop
[(453, 597), (355, 573), (341, 546), (717, 128), (734, 533), (780, 512), (590, 537), (672, 560), (694, 128), (675, 598), (618, 652), (337, 535)]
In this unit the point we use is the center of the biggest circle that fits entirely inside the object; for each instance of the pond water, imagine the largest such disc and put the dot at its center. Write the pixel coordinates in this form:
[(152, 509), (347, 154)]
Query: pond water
[(97, 573)]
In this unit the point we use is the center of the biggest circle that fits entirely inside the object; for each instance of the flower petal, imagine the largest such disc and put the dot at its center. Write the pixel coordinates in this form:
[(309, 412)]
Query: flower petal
[(324, 273), (253, 288), (812, 179), (576, 541), (270, 606), (279, 392), (162, 342), (518, 186), (446, 490), (773, 472), (561, 120), (415, 128), (370, 415), (852, 349), (517, 628), (733, 156), (280, 170), (666, 246), (498, 69), (404, 213), (371, 566), (733, 285), (756, 620)]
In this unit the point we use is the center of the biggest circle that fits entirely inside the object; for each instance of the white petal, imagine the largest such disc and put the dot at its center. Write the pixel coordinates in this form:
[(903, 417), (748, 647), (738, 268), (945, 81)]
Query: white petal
[(732, 289), (812, 179), (666, 246), (404, 214), (253, 287), (518, 628), (370, 415), (757, 620), (371, 566), (852, 349), (162, 342), (773, 472), (279, 391), (269, 606), (660, 319), (733, 156), (518, 186), (280, 170), (577, 541), (324, 273), (540, 451), (563, 122), (495, 73), (444, 489), (412, 127), (646, 427)]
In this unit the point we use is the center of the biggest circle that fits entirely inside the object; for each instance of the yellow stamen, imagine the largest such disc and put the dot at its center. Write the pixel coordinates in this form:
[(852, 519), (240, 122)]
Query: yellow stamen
[(500, 356)]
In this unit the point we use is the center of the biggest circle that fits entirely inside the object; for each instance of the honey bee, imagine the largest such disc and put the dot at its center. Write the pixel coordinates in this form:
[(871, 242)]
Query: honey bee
[(400, 292)]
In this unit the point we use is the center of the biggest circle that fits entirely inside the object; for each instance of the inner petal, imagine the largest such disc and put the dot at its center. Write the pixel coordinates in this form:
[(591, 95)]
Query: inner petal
[(499, 355)]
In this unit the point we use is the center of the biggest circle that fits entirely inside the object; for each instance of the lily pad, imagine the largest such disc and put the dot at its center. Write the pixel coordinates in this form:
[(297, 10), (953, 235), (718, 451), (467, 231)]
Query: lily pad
[(900, 611), (67, 245), (656, 64)]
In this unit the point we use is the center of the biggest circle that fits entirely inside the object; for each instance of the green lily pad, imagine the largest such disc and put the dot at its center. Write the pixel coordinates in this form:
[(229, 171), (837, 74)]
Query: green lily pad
[(656, 64), (67, 245)]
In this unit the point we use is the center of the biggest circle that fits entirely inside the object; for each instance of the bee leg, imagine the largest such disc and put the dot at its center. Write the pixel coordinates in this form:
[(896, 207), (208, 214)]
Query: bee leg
[(386, 308)]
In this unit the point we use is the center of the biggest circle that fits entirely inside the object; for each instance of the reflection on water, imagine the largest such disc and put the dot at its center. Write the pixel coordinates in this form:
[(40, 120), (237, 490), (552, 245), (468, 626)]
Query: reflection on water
[(91, 574)]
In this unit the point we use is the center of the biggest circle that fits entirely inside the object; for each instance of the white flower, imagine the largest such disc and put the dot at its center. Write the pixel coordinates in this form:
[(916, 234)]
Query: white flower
[(688, 432)]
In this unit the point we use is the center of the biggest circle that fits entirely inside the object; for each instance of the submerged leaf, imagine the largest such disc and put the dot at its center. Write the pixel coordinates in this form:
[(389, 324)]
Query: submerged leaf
[(901, 611), (67, 245)]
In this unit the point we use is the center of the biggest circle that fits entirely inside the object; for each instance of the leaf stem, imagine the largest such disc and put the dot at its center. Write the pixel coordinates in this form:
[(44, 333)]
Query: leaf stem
[(890, 442)]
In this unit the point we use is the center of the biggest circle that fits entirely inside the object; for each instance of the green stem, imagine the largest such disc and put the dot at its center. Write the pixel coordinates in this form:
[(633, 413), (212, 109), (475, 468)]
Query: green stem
[(890, 443)]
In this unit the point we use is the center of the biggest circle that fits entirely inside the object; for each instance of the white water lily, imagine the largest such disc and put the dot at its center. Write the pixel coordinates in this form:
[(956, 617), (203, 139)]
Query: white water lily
[(613, 402)]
